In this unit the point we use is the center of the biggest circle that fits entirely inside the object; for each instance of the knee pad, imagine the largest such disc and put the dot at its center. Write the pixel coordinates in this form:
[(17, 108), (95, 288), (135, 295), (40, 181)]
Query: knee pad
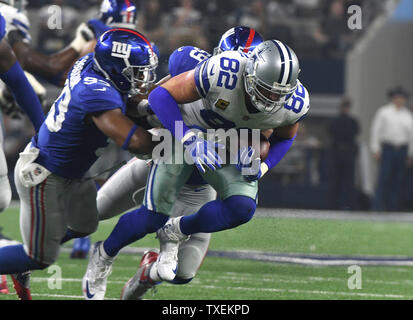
[(5, 193), (241, 209)]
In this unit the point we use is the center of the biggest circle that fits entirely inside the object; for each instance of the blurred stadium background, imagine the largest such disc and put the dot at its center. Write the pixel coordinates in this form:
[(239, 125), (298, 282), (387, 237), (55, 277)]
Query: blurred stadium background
[(336, 63)]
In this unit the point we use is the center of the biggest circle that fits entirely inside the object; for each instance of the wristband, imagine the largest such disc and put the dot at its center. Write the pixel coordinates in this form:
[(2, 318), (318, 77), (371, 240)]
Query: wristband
[(130, 134)]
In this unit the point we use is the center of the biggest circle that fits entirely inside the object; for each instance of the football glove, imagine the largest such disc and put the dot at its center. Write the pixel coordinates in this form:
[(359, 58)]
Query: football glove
[(84, 34), (203, 152)]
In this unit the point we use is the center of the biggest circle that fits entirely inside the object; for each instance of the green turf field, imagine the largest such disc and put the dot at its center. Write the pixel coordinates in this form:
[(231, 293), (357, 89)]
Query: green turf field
[(224, 278)]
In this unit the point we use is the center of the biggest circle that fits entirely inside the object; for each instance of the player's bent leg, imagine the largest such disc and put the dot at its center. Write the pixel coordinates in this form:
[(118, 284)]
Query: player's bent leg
[(237, 207), (191, 252), (123, 190), (81, 212), (130, 227), (42, 220)]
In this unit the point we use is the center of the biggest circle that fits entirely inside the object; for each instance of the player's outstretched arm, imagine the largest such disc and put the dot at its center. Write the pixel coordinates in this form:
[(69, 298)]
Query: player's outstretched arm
[(124, 132), (13, 76)]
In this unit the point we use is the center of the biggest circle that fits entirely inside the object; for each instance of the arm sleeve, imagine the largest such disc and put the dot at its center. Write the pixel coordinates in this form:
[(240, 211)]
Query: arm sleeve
[(167, 111), (24, 94), (278, 149)]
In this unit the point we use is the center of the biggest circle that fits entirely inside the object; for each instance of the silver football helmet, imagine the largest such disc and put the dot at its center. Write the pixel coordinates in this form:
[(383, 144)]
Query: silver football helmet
[(271, 75)]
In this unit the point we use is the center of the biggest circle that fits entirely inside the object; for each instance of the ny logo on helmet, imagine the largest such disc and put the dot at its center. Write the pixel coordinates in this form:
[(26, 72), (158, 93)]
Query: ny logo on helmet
[(121, 50)]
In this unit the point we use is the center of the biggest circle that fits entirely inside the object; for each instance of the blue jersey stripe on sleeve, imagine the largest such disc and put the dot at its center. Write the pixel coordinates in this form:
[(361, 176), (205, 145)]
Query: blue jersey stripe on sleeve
[(205, 80), (199, 78)]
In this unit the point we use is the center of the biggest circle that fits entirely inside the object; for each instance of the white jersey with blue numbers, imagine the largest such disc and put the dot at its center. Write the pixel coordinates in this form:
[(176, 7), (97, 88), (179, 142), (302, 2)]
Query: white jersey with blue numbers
[(220, 82), (68, 140), (16, 20)]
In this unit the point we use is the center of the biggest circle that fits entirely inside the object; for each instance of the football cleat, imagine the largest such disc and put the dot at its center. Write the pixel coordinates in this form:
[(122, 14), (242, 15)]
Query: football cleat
[(97, 272), (170, 236), (140, 283), (4, 289), (21, 283), (81, 247)]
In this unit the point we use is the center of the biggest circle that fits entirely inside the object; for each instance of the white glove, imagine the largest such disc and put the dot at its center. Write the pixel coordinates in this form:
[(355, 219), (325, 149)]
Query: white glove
[(84, 34)]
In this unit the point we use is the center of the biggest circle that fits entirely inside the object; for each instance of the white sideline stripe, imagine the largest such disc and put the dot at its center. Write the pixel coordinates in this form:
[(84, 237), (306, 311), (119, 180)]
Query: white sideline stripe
[(62, 296), (312, 260), (306, 280), (41, 279), (199, 285), (377, 295), (334, 215)]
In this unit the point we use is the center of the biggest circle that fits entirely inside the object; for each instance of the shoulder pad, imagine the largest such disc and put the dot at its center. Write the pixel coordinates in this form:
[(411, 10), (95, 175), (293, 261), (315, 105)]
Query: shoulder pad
[(185, 58), (220, 71), (299, 103)]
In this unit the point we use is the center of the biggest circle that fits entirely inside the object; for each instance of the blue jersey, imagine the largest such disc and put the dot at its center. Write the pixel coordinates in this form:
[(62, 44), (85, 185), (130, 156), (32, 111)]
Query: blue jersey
[(185, 58), (2, 27), (68, 140), (181, 60)]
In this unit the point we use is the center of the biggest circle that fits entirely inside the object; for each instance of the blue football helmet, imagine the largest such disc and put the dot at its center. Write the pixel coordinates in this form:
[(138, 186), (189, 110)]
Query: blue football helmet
[(127, 59), (242, 39), (119, 13)]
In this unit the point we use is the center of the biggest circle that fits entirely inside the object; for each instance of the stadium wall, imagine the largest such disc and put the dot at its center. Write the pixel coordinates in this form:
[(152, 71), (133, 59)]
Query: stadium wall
[(382, 60)]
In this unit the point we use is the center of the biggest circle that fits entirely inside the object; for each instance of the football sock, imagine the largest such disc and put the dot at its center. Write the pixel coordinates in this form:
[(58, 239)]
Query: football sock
[(13, 259), (131, 227), (219, 215)]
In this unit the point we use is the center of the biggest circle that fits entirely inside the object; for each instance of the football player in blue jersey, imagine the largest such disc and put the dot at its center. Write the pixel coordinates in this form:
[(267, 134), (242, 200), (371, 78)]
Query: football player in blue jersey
[(123, 191), (58, 202), (113, 14)]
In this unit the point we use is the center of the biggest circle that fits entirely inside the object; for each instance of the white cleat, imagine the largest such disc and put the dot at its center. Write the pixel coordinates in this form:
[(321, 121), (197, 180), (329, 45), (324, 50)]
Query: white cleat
[(170, 236), (140, 283), (98, 270)]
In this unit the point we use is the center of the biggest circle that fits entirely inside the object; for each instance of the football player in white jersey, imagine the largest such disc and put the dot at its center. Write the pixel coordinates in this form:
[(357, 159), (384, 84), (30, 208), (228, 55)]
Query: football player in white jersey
[(257, 92)]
